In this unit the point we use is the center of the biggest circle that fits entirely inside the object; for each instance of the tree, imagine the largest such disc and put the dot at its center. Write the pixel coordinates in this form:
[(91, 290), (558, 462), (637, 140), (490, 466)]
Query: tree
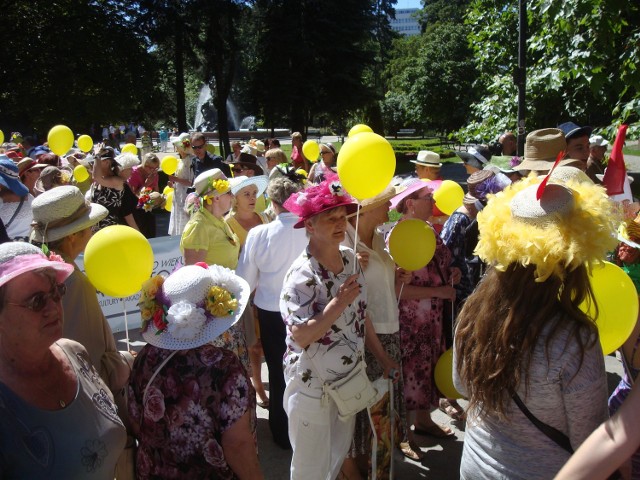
[(73, 62), (438, 11)]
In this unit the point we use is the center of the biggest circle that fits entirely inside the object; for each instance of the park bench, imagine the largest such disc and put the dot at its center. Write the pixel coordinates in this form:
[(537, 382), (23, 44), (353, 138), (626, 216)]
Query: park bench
[(406, 132)]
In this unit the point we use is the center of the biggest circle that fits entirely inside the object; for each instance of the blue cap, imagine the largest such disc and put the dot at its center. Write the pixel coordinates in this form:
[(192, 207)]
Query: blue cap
[(9, 177), (571, 130)]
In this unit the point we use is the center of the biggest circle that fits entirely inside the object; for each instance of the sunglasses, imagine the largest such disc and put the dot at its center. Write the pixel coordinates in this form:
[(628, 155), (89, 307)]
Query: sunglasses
[(38, 302), (198, 147)]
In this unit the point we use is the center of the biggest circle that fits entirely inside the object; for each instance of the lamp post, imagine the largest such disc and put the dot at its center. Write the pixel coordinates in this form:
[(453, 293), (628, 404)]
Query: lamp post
[(520, 75)]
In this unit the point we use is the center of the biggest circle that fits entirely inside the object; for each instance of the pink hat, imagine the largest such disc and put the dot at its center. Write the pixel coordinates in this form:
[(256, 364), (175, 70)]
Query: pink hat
[(319, 198), (17, 258), (413, 185)]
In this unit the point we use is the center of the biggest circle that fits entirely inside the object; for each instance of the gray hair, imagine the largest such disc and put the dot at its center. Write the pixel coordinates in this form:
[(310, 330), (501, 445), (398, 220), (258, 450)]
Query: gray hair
[(281, 188)]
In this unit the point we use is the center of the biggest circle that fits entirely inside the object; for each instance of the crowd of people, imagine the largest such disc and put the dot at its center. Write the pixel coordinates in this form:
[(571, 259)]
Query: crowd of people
[(281, 262)]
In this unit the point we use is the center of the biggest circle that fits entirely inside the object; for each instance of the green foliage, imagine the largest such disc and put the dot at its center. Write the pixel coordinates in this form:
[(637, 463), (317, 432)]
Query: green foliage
[(439, 11), (581, 63)]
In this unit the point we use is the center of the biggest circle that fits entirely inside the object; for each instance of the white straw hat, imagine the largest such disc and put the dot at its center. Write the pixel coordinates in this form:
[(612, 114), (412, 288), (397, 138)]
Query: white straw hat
[(62, 211), (238, 183), (196, 304), (127, 160), (203, 182), (427, 158)]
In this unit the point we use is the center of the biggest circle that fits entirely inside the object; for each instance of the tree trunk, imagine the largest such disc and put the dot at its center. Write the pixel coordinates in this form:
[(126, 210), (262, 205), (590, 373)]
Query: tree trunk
[(181, 110)]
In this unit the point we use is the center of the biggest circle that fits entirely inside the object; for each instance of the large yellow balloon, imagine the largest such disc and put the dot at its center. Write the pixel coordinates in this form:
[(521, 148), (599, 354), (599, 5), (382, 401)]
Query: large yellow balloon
[(169, 201), (80, 173), (448, 197), (117, 260), (1, 137), (412, 244), (166, 190), (359, 128), (130, 148), (617, 302), (169, 164), (366, 165), (85, 143), (443, 374), (311, 150), (60, 139)]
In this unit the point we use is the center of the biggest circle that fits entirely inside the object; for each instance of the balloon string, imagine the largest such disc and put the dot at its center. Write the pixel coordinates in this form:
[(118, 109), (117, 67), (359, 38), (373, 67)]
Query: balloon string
[(355, 240), (126, 323), (400, 294), (453, 313)]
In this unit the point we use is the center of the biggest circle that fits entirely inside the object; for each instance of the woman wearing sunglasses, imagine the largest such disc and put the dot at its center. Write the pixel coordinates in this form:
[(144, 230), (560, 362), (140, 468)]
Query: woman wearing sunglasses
[(57, 417), (319, 170)]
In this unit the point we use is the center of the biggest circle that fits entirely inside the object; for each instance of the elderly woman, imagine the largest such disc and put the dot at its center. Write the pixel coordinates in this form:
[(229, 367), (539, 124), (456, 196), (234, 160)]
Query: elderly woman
[(242, 218), (15, 205), (267, 255), (319, 170), (144, 185), (323, 304), (382, 277), (191, 402), (57, 417), (29, 172), (110, 188), (421, 317), (181, 180), (62, 220), (526, 355)]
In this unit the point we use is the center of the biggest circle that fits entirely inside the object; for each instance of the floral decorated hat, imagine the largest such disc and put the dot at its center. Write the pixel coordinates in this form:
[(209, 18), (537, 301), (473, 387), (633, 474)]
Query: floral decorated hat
[(319, 198), (192, 307)]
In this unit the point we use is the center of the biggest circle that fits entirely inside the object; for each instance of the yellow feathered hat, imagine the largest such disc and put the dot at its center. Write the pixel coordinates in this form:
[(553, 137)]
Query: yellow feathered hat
[(573, 223)]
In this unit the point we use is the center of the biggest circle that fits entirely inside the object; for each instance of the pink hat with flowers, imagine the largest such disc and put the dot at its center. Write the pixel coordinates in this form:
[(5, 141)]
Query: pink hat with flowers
[(17, 258), (319, 198)]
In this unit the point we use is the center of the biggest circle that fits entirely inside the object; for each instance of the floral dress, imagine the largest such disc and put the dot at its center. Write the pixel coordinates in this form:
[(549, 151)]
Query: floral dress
[(194, 399), (421, 333), (119, 203), (453, 236)]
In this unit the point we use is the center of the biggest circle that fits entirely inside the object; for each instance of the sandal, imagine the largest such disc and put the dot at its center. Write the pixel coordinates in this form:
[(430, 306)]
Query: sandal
[(434, 430), (453, 409), (411, 451), (263, 403)]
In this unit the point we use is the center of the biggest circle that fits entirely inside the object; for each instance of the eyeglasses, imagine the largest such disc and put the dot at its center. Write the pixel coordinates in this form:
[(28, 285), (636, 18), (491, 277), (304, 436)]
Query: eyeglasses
[(198, 147), (38, 302), (428, 198), (324, 152)]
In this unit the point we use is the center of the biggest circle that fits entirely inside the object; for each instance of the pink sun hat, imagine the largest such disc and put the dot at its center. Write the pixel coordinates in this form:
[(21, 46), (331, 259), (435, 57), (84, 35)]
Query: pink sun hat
[(17, 258), (412, 185)]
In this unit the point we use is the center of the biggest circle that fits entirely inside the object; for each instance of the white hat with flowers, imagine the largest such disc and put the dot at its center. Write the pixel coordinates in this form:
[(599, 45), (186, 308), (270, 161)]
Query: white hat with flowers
[(192, 307)]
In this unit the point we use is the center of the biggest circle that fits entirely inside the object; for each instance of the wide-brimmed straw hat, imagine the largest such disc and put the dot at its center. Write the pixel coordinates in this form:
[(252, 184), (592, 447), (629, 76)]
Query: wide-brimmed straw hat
[(238, 183), (192, 307), (316, 199), (212, 182), (477, 156), (27, 164), (427, 159), (572, 224), (381, 199), (17, 258), (541, 149), (9, 177), (62, 211)]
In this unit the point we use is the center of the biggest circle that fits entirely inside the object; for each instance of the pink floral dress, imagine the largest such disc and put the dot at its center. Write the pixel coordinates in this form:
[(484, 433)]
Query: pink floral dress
[(421, 333), (193, 400)]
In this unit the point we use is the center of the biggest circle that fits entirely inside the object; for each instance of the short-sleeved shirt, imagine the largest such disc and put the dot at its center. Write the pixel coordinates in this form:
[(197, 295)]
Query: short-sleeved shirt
[(196, 397), (137, 181), (308, 288), (83, 440), (206, 232)]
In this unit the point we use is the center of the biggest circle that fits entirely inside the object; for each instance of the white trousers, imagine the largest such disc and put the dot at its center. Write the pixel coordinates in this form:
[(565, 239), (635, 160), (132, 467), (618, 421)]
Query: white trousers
[(320, 440)]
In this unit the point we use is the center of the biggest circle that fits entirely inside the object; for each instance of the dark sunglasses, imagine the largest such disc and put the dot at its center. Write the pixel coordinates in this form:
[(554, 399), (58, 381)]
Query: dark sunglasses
[(198, 147), (38, 302)]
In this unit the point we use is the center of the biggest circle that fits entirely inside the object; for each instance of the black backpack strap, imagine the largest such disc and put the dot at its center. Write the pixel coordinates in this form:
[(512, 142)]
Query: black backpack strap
[(556, 435)]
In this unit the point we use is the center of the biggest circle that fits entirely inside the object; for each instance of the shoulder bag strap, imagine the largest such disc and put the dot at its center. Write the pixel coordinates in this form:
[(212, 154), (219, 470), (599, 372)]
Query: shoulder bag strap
[(15, 214), (554, 434)]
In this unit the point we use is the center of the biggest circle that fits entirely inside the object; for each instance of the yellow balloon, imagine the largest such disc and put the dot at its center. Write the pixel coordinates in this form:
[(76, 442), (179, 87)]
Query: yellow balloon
[(130, 148), (359, 128), (366, 165), (448, 197), (80, 173), (211, 148), (617, 302), (60, 139), (443, 375), (169, 164), (169, 201), (85, 143), (311, 150), (1, 137), (166, 190), (412, 244), (118, 259)]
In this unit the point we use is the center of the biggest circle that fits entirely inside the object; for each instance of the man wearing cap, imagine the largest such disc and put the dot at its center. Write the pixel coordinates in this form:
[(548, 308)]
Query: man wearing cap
[(475, 158), (203, 160), (427, 165), (596, 162), (577, 138)]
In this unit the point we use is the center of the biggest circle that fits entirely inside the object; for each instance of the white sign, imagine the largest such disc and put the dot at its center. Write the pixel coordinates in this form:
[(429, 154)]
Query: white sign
[(167, 258)]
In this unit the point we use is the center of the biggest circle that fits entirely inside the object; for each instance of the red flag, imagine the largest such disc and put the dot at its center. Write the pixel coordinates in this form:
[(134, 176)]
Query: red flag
[(544, 182), (616, 172)]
